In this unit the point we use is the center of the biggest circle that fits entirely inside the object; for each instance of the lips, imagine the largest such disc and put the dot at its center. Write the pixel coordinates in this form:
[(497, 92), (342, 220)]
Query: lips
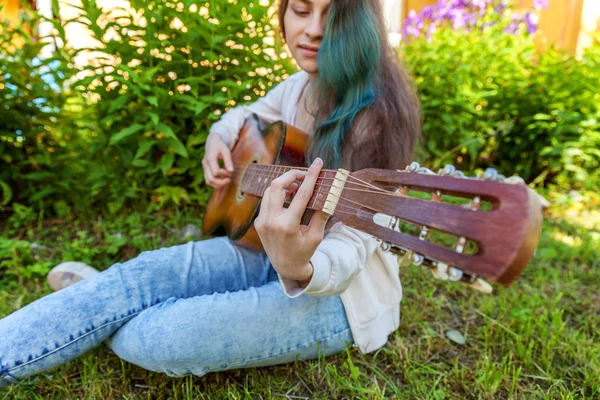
[(307, 47)]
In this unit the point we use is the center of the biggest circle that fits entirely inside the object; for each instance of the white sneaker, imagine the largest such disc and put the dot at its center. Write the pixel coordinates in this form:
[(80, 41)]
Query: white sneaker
[(68, 273)]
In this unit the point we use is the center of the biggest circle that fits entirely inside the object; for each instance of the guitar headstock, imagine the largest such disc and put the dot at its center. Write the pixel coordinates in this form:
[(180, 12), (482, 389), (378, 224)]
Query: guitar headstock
[(487, 226)]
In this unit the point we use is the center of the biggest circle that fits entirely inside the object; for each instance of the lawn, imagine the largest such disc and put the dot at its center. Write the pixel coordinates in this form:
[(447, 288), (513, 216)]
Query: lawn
[(538, 338)]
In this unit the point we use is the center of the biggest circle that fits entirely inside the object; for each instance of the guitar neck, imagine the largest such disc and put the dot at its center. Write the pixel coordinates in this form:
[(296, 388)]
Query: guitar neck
[(258, 177)]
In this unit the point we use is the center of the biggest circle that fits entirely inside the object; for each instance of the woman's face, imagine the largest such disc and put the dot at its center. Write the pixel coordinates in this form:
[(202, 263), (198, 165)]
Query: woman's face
[(304, 26)]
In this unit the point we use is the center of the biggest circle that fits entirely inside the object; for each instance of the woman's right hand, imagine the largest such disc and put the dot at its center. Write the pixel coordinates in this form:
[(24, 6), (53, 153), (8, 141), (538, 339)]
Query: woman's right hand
[(215, 149)]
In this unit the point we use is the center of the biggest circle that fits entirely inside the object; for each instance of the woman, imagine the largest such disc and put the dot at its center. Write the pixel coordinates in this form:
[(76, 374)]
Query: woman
[(211, 305)]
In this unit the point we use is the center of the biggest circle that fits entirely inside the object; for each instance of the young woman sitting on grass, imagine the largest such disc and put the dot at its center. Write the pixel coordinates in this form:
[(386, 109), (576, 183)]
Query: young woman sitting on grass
[(211, 305)]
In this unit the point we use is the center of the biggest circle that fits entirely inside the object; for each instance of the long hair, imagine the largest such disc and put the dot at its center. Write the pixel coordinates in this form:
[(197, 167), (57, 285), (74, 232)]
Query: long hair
[(366, 110)]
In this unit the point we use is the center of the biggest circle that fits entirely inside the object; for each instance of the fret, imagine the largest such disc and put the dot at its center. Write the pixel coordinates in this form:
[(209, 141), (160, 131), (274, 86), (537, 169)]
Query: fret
[(318, 189), (264, 184), (275, 172)]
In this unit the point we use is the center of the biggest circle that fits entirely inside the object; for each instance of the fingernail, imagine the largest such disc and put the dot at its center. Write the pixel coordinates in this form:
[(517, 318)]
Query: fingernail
[(317, 162)]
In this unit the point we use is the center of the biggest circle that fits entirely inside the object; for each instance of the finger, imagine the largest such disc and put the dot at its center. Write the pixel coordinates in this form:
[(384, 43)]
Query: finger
[(211, 179), (213, 164), (207, 172), (222, 173), (316, 226), (263, 204), (226, 157), (279, 185), (291, 191), (293, 188), (306, 189), (219, 183)]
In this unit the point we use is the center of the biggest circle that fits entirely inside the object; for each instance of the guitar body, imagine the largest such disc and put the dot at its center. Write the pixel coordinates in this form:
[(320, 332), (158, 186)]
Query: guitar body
[(231, 212)]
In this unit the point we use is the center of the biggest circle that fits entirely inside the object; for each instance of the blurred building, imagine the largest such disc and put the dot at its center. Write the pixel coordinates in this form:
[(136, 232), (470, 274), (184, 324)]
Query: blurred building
[(566, 23)]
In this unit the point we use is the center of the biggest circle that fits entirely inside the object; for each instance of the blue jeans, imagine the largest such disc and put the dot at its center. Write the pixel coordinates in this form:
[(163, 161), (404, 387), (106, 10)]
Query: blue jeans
[(189, 309)]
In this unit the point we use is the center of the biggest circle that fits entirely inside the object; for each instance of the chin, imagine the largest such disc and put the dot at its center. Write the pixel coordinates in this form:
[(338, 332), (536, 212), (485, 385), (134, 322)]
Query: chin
[(309, 66)]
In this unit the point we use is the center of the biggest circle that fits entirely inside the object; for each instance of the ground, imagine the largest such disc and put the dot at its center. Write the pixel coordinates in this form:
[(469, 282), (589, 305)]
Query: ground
[(538, 338)]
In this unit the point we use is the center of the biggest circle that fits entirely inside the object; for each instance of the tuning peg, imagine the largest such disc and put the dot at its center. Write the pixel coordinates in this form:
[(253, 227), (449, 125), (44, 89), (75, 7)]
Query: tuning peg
[(515, 180), (490, 174), (413, 167), (448, 169), (406, 259), (440, 271), (455, 274), (481, 286), (416, 167)]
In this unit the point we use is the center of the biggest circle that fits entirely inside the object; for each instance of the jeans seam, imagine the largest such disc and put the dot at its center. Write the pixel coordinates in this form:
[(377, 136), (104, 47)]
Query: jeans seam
[(9, 370), (304, 345)]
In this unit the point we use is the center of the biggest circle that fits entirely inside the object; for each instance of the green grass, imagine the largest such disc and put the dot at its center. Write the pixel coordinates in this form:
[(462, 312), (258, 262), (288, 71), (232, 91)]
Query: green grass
[(538, 338)]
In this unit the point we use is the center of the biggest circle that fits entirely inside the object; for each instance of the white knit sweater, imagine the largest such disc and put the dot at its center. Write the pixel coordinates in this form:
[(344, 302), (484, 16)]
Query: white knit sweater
[(348, 262)]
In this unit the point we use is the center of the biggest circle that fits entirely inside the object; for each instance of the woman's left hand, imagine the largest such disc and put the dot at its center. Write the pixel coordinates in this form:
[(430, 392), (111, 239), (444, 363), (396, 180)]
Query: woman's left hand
[(288, 244)]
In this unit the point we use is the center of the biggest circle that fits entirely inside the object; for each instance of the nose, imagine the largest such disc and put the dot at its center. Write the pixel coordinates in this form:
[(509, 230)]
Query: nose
[(315, 26)]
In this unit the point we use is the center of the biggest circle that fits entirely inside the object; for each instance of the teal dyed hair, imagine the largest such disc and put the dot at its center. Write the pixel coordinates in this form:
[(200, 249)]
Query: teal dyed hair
[(366, 108), (349, 66)]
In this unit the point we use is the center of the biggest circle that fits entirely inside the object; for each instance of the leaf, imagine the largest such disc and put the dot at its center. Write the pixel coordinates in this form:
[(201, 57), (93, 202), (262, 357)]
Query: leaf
[(178, 147), (43, 193), (140, 163), (154, 117), (456, 336), (149, 73), (152, 100), (166, 129), (200, 106), (6, 193), (118, 103), (124, 133), (542, 117), (144, 147), (39, 175), (166, 162)]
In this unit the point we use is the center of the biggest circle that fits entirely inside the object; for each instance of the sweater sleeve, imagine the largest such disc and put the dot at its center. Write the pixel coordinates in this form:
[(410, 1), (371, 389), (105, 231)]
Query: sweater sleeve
[(342, 254), (268, 109)]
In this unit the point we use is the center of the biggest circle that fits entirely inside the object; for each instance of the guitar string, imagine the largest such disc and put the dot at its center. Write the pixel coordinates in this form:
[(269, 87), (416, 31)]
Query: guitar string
[(368, 185), (394, 194), (364, 208), (350, 177), (272, 173)]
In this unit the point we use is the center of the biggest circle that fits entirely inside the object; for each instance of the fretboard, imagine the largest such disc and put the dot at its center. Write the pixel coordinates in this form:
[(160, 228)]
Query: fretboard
[(258, 178)]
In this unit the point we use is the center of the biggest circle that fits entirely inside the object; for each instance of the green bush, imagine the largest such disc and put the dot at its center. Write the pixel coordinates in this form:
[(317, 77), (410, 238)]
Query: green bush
[(170, 71), (36, 120), (490, 98)]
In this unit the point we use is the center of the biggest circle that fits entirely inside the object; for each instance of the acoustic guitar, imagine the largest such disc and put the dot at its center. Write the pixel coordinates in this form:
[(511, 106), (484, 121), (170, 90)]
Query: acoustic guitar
[(462, 228)]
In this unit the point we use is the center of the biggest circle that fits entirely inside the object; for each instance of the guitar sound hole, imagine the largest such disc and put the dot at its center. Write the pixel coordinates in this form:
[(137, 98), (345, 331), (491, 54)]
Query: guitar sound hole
[(240, 195)]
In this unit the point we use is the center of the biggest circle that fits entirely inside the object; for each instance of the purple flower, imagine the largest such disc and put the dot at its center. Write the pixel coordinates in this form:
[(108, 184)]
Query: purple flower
[(481, 4), (499, 9), (513, 28), (466, 14), (428, 12), (532, 22), (457, 19), (540, 4)]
